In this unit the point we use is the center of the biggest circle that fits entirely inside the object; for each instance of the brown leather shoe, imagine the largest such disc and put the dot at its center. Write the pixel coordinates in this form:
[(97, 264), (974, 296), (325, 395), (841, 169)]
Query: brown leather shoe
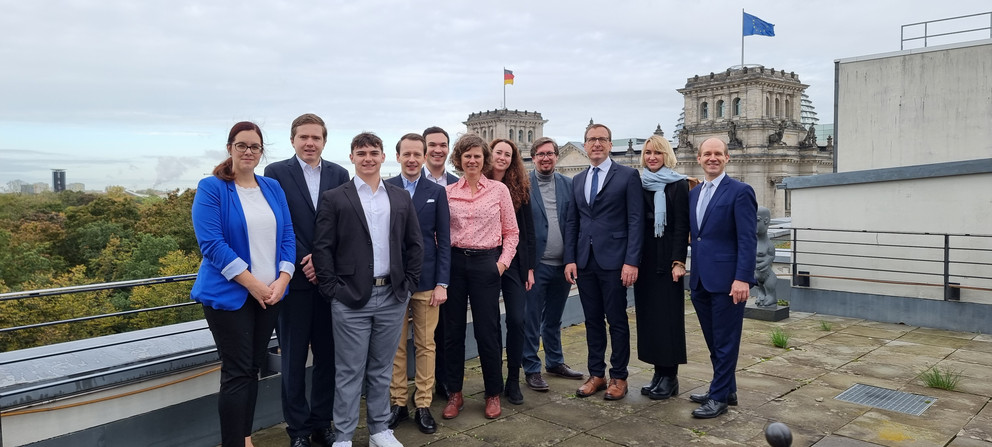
[(455, 404), (492, 407), (617, 389), (592, 386)]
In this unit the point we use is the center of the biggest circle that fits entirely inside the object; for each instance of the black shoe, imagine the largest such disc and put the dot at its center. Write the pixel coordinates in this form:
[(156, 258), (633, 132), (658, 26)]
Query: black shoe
[(667, 387), (535, 382), (702, 398), (654, 383), (425, 422), (512, 391), (300, 441), (397, 414), (441, 390), (564, 371), (322, 436), (709, 410)]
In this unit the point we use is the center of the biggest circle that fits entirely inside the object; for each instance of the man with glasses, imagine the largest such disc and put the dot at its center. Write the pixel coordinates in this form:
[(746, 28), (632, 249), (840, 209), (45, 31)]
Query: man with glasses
[(602, 251), (550, 199), (304, 323)]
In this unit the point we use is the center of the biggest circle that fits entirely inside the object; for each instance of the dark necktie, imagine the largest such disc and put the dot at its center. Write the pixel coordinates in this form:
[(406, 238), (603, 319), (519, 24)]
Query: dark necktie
[(595, 185)]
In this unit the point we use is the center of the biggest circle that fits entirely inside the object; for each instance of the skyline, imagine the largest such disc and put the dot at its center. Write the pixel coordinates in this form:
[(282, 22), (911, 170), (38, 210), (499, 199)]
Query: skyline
[(142, 95)]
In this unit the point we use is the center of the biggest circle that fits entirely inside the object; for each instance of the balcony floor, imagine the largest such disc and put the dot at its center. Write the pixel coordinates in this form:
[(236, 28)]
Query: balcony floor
[(796, 386)]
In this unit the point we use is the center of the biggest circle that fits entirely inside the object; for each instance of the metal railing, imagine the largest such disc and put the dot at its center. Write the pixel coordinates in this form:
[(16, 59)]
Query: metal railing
[(952, 262), (926, 29)]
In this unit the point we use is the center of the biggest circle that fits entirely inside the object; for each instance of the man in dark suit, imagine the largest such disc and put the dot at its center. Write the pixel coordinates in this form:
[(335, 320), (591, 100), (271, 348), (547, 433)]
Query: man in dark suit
[(431, 202), (305, 320), (435, 172), (550, 199), (722, 224), (602, 251), (367, 254)]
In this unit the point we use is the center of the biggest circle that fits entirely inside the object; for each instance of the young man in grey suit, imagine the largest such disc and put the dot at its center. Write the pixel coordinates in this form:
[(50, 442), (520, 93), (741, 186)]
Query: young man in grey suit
[(367, 254), (550, 198), (431, 202), (602, 252), (305, 319)]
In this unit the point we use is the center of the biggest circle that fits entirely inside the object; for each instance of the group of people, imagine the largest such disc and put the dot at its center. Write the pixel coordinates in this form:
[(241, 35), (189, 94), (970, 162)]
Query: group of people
[(346, 268)]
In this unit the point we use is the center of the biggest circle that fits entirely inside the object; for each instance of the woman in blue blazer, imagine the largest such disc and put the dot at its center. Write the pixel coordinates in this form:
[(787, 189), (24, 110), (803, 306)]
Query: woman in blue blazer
[(245, 234)]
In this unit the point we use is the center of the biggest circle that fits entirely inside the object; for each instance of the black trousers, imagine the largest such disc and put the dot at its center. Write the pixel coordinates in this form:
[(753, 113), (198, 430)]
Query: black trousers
[(603, 295), (305, 325), (242, 337), (514, 300), (475, 279)]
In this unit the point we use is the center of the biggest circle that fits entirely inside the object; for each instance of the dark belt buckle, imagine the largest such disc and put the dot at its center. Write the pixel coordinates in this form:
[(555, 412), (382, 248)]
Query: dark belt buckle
[(380, 281)]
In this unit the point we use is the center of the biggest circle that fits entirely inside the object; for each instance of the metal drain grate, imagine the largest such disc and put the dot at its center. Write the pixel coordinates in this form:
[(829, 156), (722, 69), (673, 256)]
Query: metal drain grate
[(886, 399)]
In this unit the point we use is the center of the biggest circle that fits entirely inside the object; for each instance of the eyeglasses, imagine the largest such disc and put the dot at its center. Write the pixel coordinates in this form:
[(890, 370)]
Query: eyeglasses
[(241, 147), (601, 140), (544, 155)]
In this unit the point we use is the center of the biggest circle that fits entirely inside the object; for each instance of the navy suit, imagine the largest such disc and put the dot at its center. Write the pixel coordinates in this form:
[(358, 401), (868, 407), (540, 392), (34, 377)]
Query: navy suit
[(305, 321), (600, 239), (431, 202), (723, 250), (546, 299)]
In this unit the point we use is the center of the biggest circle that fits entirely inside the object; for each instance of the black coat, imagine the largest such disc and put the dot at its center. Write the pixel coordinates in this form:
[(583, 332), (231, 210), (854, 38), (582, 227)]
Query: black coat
[(660, 302)]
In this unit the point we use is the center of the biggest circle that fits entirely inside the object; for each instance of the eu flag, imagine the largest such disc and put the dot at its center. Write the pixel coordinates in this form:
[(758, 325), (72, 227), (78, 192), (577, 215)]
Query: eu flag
[(754, 25)]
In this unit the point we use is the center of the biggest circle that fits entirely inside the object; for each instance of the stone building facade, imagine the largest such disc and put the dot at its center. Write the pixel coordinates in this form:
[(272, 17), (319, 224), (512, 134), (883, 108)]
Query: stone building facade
[(520, 127), (756, 111)]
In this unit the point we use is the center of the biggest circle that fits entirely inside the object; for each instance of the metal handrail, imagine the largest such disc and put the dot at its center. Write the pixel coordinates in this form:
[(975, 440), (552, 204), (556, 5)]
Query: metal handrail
[(926, 35)]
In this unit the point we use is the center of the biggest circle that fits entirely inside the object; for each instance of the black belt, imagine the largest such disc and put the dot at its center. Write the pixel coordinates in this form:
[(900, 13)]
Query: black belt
[(469, 252), (380, 281)]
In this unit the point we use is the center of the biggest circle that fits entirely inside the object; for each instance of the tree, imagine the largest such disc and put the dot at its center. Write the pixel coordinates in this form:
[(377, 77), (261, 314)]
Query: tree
[(174, 263)]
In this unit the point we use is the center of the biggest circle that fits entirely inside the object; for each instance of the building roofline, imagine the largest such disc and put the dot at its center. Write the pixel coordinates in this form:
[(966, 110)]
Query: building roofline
[(915, 172), (950, 46)]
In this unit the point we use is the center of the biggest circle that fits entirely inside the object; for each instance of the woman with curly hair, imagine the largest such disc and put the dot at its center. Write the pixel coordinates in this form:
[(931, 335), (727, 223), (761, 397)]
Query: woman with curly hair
[(508, 168)]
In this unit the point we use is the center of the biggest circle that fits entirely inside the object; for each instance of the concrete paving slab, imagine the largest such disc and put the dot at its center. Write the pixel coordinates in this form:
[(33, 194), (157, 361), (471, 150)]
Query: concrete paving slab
[(521, 430), (978, 345), (882, 333), (904, 347), (935, 340), (945, 333), (967, 442), (967, 356), (883, 427), (853, 339), (782, 367), (841, 441), (631, 431)]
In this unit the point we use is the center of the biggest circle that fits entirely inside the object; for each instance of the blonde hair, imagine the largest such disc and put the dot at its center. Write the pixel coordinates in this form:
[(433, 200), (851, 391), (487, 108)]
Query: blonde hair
[(659, 143)]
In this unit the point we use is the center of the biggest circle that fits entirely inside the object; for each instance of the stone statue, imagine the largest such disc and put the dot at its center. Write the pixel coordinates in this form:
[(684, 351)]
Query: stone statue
[(776, 138), (684, 142), (810, 140), (734, 141), (764, 291)]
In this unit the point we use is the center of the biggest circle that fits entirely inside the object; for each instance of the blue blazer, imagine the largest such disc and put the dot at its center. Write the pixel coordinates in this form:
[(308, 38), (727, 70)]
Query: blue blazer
[(430, 200), (563, 197), (724, 244), (612, 226), (221, 231), (289, 174)]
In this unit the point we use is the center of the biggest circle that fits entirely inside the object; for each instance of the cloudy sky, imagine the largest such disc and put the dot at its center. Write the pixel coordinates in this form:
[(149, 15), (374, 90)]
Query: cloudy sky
[(142, 93)]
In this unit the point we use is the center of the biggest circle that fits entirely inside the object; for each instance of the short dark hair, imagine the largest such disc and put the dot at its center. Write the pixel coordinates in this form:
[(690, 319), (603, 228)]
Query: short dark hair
[(435, 129), (609, 133), (411, 137), (307, 118), (541, 142), (466, 143), (366, 139)]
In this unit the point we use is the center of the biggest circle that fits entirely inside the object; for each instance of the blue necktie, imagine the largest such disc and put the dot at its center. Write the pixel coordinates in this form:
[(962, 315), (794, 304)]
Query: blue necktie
[(704, 201), (595, 185)]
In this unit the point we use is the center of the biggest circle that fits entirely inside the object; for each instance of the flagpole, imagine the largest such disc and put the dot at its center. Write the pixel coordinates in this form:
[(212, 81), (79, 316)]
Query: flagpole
[(742, 38), (504, 88)]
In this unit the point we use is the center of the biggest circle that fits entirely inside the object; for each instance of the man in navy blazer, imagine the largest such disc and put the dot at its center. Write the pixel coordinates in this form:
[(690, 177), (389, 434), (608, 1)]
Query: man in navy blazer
[(435, 171), (368, 253), (722, 224), (431, 202), (602, 251), (550, 199), (305, 320)]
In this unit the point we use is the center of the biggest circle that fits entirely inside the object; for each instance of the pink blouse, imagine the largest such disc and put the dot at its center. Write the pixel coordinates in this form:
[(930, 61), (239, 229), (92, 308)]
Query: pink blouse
[(485, 219)]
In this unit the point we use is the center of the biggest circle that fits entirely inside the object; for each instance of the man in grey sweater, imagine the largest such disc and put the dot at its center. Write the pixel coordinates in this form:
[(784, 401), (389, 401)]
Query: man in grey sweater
[(550, 197)]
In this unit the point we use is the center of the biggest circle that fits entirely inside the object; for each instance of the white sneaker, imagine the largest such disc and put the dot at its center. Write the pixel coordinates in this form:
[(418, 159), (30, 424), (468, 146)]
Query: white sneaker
[(341, 444), (384, 438)]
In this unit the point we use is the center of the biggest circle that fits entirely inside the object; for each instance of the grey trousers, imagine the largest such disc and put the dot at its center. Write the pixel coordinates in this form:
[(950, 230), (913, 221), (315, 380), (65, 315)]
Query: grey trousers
[(365, 342)]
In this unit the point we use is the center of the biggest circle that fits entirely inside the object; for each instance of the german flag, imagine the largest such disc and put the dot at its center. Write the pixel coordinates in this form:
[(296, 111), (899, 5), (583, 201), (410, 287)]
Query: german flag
[(507, 77)]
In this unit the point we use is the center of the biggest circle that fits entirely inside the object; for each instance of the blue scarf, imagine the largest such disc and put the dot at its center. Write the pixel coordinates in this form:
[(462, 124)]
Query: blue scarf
[(656, 181)]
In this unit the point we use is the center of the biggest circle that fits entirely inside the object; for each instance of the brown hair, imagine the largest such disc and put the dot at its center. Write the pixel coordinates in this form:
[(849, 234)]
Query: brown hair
[(541, 142), (225, 170), (307, 118), (411, 137), (466, 143), (609, 133), (366, 139), (515, 178)]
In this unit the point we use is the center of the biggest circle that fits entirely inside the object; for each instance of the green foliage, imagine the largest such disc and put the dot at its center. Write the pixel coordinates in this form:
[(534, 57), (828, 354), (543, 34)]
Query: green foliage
[(780, 338), (825, 325), (941, 377), (73, 238)]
